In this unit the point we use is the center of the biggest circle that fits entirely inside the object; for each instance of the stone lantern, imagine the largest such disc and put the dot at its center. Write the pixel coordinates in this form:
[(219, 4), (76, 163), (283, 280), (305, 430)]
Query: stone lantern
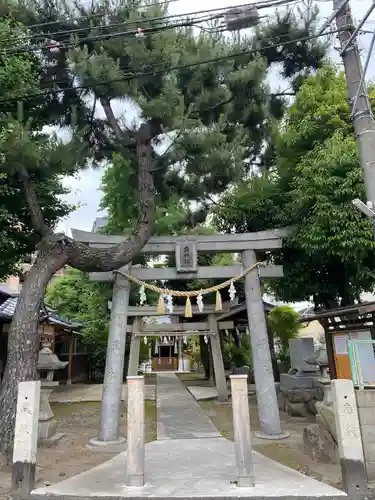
[(48, 362)]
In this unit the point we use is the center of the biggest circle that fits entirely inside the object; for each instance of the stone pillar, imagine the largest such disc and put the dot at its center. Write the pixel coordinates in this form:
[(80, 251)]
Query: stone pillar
[(135, 345), (349, 439), (181, 367), (270, 427), (136, 432), (25, 439), (217, 358), (47, 426), (70, 361), (241, 430), (109, 430)]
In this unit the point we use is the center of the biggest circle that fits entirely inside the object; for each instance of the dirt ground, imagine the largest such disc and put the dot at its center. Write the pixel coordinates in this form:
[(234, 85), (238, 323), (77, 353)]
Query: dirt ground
[(79, 422)]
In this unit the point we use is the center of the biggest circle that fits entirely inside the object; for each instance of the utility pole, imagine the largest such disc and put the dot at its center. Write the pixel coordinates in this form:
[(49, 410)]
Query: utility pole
[(363, 121)]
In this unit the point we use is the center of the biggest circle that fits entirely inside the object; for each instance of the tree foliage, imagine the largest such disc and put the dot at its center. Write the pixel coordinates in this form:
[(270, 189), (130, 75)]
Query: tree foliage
[(19, 76), (329, 255), (82, 301), (285, 324)]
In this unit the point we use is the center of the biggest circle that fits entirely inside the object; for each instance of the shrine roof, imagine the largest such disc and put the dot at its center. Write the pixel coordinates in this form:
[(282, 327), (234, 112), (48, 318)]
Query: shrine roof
[(8, 308)]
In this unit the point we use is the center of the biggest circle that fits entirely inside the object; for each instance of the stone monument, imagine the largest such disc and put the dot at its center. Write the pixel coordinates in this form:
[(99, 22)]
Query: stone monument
[(320, 439), (301, 374), (298, 393), (48, 362)]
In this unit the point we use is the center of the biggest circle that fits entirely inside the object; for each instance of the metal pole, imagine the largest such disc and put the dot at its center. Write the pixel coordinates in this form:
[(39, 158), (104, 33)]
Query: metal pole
[(241, 431), (363, 122), (136, 431)]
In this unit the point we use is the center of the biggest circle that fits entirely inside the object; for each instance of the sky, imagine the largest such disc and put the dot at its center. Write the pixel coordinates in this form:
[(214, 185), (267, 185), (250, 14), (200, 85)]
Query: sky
[(85, 188)]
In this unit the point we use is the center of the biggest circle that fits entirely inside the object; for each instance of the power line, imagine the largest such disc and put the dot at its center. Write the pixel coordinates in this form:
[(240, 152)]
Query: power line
[(133, 76), (61, 44), (107, 36), (125, 23), (98, 14), (258, 5), (59, 82)]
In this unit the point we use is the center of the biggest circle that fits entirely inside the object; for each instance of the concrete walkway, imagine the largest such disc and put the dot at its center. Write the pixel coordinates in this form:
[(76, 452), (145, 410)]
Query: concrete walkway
[(189, 461), (196, 469), (178, 415)]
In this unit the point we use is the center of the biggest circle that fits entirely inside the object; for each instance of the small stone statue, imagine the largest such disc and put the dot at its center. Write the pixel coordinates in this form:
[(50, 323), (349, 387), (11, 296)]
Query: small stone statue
[(320, 358)]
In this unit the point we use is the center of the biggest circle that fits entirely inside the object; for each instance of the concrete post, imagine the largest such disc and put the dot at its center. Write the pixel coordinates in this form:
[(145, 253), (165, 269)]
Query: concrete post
[(349, 438), (135, 345), (270, 426), (136, 432), (242, 431), (217, 358), (363, 121), (25, 439), (109, 430)]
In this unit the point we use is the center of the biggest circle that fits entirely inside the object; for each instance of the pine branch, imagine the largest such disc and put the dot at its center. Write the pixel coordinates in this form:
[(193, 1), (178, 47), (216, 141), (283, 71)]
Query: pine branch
[(89, 259), (105, 102), (37, 218)]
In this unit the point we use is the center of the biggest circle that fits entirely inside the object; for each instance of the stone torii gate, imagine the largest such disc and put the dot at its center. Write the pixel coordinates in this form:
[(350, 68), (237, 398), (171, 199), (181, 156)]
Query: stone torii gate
[(209, 328), (186, 249)]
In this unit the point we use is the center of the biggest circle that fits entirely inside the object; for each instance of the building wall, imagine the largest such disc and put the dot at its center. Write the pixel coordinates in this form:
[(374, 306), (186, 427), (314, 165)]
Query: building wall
[(366, 412), (15, 284), (313, 329)]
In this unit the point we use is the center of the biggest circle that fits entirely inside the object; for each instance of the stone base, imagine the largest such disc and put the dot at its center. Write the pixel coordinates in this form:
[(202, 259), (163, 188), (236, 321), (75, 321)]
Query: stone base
[(326, 418), (46, 429), (319, 444), (50, 441), (271, 437), (117, 446), (299, 402), (289, 381)]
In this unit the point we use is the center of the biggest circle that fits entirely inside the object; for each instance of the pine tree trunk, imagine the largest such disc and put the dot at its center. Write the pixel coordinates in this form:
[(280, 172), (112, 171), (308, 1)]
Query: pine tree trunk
[(23, 347)]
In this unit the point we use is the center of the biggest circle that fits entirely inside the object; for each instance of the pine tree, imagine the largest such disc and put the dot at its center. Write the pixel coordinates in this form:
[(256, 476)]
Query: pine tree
[(217, 115)]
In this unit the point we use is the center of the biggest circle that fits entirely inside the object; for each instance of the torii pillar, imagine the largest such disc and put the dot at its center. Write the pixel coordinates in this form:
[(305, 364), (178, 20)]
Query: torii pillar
[(268, 409), (109, 438)]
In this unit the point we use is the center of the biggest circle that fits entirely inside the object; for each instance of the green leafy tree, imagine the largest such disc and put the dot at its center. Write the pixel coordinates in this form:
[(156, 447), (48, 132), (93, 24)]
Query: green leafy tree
[(330, 254), (80, 300), (285, 324), (238, 353), (19, 76)]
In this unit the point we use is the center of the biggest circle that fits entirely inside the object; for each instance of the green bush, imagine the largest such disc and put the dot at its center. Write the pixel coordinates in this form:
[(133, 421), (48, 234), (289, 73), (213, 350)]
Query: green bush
[(285, 325), (238, 355)]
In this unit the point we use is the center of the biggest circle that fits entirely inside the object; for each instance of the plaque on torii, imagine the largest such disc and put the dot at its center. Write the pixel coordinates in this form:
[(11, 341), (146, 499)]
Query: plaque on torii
[(186, 256)]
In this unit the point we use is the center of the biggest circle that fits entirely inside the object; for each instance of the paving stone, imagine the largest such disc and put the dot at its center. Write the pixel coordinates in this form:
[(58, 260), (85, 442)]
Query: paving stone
[(178, 414)]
